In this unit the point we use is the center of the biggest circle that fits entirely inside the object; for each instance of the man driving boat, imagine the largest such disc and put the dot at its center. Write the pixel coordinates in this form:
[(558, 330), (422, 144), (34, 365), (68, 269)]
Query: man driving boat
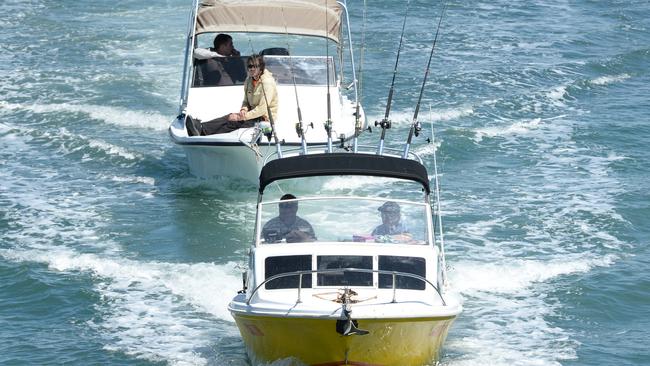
[(287, 225)]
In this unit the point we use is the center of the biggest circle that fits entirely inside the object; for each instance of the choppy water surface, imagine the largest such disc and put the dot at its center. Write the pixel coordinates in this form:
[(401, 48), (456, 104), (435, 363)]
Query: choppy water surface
[(111, 253)]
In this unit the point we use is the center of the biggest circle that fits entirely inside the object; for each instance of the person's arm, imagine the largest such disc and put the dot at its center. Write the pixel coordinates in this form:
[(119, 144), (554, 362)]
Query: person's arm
[(244, 103), (204, 54)]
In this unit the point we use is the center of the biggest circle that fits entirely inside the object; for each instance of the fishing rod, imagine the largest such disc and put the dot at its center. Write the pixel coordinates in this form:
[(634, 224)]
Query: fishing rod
[(415, 125), (385, 123), (438, 207), (357, 112), (328, 122), (299, 126), (278, 147)]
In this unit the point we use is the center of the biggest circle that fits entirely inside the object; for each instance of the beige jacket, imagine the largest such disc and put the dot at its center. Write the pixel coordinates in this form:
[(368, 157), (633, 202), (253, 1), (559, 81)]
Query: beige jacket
[(254, 98)]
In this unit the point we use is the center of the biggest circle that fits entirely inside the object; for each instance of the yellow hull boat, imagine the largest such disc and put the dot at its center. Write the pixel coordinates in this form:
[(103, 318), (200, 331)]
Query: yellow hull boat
[(335, 291), (315, 342)]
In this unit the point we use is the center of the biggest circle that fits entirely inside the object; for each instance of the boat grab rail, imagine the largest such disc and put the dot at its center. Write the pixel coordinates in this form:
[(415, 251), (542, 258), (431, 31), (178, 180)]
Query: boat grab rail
[(343, 270), (315, 150)]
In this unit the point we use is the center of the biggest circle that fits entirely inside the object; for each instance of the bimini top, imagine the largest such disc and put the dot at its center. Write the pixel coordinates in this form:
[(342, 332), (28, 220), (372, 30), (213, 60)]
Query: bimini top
[(343, 164), (320, 18)]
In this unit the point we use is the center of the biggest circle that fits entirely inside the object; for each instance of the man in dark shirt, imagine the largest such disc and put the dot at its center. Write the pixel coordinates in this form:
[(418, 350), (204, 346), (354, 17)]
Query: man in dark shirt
[(391, 220), (288, 225)]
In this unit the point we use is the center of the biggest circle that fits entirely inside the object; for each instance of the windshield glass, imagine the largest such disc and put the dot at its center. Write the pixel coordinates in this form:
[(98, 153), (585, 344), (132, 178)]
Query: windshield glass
[(227, 71), (343, 219)]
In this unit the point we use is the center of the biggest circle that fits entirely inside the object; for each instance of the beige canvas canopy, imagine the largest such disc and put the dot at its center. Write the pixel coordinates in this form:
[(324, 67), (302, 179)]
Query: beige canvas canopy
[(305, 17)]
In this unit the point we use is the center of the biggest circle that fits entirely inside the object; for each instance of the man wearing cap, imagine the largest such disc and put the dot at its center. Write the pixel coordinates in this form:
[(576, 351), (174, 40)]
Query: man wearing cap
[(288, 225), (391, 223)]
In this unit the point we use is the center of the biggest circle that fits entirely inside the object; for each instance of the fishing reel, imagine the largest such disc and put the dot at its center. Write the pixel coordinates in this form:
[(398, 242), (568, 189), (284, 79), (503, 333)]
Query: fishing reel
[(328, 126), (417, 128), (266, 129), (300, 131), (384, 124)]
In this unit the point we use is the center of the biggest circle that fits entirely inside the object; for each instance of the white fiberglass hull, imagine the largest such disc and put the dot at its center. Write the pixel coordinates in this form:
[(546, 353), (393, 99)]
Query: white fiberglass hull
[(241, 153)]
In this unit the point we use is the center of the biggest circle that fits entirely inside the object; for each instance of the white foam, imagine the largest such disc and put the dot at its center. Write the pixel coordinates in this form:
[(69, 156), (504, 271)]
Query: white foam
[(118, 116), (111, 149), (132, 179), (604, 80), (556, 211), (405, 117), (151, 309), (427, 149), (513, 275), (557, 95), (515, 129), (450, 114), (507, 311), (155, 311)]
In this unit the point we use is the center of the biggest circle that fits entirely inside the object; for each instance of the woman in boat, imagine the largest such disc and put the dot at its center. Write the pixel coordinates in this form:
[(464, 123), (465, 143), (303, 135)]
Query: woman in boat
[(260, 100)]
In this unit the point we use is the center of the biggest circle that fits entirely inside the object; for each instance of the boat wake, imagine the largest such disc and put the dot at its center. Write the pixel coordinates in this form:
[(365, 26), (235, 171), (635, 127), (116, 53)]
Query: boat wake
[(117, 116), (151, 310)]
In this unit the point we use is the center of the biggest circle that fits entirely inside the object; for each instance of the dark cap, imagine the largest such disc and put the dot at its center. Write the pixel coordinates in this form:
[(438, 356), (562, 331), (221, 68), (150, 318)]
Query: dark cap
[(389, 207)]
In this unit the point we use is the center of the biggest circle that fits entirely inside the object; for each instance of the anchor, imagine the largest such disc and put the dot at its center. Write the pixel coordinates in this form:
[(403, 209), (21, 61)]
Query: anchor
[(348, 326)]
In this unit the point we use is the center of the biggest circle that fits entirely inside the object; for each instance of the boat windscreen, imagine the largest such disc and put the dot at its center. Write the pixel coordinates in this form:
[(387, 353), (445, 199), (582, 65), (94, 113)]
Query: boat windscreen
[(343, 219), (227, 71), (219, 71), (307, 70)]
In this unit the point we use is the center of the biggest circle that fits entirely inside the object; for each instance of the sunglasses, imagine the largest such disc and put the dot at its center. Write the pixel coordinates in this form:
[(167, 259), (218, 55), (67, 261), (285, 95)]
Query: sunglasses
[(253, 66)]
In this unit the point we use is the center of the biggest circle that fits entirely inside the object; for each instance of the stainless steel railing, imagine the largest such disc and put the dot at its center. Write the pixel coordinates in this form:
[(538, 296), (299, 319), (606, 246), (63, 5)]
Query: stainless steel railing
[(395, 274)]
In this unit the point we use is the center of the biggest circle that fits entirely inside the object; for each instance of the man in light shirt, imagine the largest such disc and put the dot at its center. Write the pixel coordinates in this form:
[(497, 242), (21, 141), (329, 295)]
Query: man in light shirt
[(223, 65), (223, 47)]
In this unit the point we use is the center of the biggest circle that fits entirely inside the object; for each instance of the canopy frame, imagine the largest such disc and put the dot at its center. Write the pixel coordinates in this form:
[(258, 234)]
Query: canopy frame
[(319, 18), (331, 164)]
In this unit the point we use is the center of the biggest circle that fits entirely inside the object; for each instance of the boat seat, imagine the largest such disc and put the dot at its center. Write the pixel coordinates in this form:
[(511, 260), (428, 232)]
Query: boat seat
[(219, 71), (206, 73), (275, 51)]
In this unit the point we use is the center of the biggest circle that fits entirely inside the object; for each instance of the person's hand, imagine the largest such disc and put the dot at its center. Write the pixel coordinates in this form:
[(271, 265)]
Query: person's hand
[(242, 113), (297, 236)]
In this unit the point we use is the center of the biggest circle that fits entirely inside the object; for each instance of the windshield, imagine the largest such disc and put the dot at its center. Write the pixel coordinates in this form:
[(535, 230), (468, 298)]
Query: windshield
[(337, 219), (227, 71)]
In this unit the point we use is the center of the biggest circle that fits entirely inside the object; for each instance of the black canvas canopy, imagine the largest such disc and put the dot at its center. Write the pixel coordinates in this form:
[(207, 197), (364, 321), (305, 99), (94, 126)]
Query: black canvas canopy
[(343, 164)]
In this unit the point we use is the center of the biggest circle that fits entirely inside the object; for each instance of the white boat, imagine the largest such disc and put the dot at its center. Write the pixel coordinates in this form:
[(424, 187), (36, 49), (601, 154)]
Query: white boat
[(343, 296), (295, 37)]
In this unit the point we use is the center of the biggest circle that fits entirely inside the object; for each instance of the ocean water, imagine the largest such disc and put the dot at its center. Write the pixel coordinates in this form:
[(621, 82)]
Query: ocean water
[(112, 253)]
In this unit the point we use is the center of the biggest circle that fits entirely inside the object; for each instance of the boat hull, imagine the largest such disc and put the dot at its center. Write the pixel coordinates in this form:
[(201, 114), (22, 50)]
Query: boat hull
[(227, 160), (314, 341)]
